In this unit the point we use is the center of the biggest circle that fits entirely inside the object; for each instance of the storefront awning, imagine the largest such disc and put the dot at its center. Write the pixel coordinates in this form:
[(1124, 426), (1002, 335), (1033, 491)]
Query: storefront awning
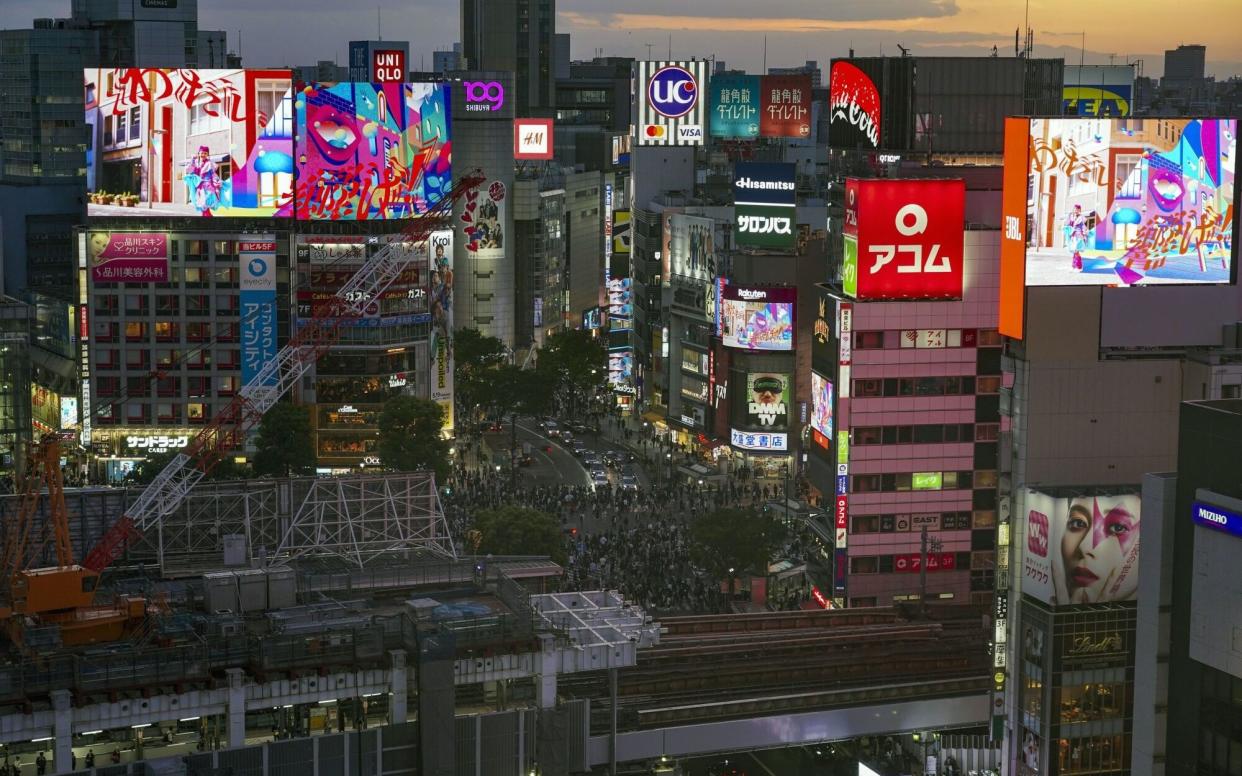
[(651, 416)]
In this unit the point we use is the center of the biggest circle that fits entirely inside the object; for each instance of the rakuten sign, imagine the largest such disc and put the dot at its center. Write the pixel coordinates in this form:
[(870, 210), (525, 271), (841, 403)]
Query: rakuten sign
[(905, 238)]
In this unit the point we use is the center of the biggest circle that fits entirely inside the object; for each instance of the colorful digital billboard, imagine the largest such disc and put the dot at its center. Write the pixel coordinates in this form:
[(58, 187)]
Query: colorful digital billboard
[(1012, 313), (757, 318), (371, 151), (620, 304), (441, 304), (1081, 550), (128, 257), (903, 238), (691, 248), (257, 270), (670, 108), (761, 417), (189, 142), (854, 108), (1124, 202), (821, 411)]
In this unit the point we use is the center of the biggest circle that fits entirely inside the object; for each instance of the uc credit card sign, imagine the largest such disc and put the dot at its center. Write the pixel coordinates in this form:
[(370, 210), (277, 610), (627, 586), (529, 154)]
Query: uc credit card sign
[(1217, 518)]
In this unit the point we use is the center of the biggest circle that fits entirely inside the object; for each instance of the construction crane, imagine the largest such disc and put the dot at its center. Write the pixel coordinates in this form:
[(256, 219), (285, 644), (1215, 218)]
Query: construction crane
[(227, 429), (64, 594), (52, 605)]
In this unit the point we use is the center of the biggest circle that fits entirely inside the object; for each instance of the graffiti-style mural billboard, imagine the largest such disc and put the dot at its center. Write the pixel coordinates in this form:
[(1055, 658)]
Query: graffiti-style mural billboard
[(369, 151), (1130, 201), (189, 142)]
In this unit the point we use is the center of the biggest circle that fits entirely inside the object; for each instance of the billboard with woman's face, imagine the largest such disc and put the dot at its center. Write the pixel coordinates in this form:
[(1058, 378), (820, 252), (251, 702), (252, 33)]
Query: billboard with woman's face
[(1082, 550)]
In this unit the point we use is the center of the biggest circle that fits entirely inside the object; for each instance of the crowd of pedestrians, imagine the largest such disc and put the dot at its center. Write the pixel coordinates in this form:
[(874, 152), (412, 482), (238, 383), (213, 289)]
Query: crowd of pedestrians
[(634, 541)]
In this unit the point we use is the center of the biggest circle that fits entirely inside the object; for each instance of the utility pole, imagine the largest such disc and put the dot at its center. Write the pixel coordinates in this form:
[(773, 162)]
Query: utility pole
[(925, 543)]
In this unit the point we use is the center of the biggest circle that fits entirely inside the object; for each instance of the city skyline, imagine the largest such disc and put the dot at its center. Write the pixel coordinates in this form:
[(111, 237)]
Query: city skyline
[(723, 28)]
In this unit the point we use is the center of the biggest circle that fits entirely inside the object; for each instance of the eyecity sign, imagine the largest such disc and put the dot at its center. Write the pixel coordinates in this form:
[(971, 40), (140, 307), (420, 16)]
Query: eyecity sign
[(1217, 518)]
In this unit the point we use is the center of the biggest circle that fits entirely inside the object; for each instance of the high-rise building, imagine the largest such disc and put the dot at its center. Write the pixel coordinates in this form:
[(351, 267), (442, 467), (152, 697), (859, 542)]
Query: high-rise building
[(388, 59), (151, 34), (811, 68), (514, 36), (444, 61), (42, 153), (1184, 63)]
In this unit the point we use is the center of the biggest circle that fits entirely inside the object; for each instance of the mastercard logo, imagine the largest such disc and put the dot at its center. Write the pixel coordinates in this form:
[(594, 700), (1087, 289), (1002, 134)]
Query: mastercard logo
[(655, 130)]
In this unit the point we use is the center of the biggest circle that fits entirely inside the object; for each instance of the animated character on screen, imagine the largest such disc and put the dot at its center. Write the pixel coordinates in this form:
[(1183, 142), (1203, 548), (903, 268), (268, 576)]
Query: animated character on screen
[(1079, 233), (1099, 551), (204, 184), (769, 327)]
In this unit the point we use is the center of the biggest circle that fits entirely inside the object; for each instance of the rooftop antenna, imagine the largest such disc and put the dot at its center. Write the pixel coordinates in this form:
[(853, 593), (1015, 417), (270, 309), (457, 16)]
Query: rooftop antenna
[(905, 52), (670, 46), (379, 29), (765, 53), (648, 45)]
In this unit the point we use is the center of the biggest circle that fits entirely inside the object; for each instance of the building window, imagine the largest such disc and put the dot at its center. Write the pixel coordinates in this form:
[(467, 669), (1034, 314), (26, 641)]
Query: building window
[(988, 385), (135, 331), (137, 387), (168, 304), (108, 387), (167, 331), (105, 331), (168, 387), (106, 304), (136, 413), (136, 304), (865, 524), (868, 564), (167, 412), (868, 340), (196, 412)]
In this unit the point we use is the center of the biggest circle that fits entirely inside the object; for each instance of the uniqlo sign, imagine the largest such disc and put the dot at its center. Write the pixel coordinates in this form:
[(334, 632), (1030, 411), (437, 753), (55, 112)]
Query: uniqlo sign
[(388, 66), (903, 238), (532, 138)]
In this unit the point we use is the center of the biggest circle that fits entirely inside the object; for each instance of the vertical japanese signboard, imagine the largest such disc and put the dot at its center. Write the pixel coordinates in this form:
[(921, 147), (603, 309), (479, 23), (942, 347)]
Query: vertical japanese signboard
[(258, 307), (442, 324)]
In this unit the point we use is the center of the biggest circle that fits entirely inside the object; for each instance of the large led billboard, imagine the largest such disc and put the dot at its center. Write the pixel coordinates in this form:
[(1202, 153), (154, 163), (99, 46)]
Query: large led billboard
[(745, 107), (1081, 550), (189, 142), (691, 248), (821, 411), (370, 151), (761, 417), (757, 318), (764, 195), (1012, 313), (1123, 202), (735, 106), (854, 108), (670, 107), (903, 238)]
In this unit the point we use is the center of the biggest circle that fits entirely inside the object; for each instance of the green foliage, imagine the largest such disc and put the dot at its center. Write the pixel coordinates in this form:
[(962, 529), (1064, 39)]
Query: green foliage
[(513, 391), (145, 471), (738, 539), (474, 358), (284, 446), (409, 437), (576, 363), (513, 530)]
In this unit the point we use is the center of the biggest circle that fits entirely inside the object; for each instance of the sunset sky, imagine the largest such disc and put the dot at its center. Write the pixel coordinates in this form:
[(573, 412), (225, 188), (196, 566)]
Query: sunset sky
[(298, 32)]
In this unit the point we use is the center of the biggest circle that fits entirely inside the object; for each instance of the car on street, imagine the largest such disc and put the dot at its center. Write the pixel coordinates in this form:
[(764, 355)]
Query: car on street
[(579, 449), (550, 428), (629, 483), (599, 479), (592, 460), (612, 459)]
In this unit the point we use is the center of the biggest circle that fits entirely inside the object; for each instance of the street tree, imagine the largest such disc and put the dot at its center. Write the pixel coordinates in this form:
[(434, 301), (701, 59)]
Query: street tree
[(512, 530), (729, 542), (514, 392), (146, 470), (475, 356), (284, 446), (410, 436), (577, 364)]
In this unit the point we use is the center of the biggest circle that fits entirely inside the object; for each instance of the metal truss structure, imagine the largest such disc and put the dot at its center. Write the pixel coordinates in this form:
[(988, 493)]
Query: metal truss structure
[(358, 518)]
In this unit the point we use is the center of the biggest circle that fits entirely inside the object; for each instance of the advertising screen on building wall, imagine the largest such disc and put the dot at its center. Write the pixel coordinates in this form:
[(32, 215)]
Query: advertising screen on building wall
[(745, 107), (1013, 229), (691, 247), (1098, 90), (764, 196), (1125, 202), (1081, 550), (821, 411), (854, 108), (369, 151), (903, 238), (670, 106), (757, 318), (189, 142), (761, 417)]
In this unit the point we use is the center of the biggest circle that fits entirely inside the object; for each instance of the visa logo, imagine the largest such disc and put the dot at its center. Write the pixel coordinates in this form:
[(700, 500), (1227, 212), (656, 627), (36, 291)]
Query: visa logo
[(690, 132)]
